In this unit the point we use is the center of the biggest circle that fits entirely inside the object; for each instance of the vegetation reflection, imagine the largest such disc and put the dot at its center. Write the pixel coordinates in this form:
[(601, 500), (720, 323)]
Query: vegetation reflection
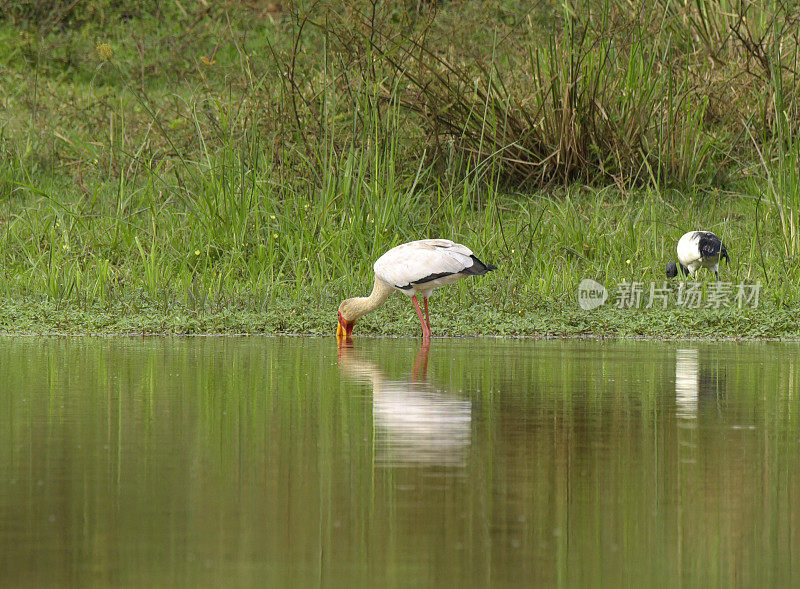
[(287, 461)]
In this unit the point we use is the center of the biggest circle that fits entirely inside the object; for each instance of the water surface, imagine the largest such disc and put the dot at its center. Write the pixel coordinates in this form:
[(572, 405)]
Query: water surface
[(482, 462)]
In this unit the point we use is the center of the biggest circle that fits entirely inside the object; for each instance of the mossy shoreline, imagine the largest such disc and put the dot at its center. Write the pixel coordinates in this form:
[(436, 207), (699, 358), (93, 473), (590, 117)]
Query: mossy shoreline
[(544, 321)]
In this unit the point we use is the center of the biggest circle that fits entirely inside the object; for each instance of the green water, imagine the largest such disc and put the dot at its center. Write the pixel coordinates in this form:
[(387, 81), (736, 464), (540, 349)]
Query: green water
[(286, 463)]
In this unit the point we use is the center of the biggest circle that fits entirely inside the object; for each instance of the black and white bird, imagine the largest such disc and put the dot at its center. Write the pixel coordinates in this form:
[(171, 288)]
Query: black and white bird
[(698, 249), (417, 267)]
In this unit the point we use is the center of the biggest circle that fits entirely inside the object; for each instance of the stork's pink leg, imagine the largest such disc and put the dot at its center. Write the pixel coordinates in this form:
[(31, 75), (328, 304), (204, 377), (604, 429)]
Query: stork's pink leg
[(420, 370), (427, 317), (426, 331)]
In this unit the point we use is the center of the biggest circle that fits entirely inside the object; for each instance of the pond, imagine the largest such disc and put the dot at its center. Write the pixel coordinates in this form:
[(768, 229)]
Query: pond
[(480, 462)]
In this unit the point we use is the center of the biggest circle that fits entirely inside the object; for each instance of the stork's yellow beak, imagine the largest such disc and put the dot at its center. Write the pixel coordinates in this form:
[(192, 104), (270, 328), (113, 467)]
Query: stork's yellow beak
[(344, 328)]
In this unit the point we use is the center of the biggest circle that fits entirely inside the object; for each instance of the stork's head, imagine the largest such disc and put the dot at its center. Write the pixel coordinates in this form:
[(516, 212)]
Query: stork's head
[(347, 319)]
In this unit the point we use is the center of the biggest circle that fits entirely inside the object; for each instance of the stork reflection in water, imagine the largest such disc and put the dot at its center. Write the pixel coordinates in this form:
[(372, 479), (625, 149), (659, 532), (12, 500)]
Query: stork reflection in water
[(414, 423)]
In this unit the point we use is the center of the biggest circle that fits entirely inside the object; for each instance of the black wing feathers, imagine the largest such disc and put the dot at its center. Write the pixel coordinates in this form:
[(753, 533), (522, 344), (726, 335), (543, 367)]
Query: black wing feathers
[(478, 268), (724, 254), (430, 277), (710, 245)]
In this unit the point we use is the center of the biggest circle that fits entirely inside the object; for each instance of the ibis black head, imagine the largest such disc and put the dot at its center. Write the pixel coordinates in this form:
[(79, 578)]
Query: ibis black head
[(672, 270)]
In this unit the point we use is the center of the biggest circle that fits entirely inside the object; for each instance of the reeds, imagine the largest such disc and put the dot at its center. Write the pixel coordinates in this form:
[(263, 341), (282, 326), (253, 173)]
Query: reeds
[(580, 149)]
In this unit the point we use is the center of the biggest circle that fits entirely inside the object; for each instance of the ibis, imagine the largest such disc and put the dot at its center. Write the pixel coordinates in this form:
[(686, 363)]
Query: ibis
[(698, 249)]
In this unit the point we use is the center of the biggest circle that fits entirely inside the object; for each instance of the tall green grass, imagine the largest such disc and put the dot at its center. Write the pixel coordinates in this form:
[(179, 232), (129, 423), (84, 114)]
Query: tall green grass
[(283, 163), (239, 240)]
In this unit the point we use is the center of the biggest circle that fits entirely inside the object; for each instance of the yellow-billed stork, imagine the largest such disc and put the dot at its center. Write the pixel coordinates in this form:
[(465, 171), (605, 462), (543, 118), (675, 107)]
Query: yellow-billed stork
[(698, 249), (417, 267)]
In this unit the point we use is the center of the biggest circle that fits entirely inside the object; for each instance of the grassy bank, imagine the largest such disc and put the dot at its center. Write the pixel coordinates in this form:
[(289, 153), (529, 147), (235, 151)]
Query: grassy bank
[(238, 167), (98, 271)]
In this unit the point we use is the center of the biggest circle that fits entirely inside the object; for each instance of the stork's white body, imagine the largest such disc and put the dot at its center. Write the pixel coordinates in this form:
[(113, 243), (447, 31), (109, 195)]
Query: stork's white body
[(691, 256), (420, 267)]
